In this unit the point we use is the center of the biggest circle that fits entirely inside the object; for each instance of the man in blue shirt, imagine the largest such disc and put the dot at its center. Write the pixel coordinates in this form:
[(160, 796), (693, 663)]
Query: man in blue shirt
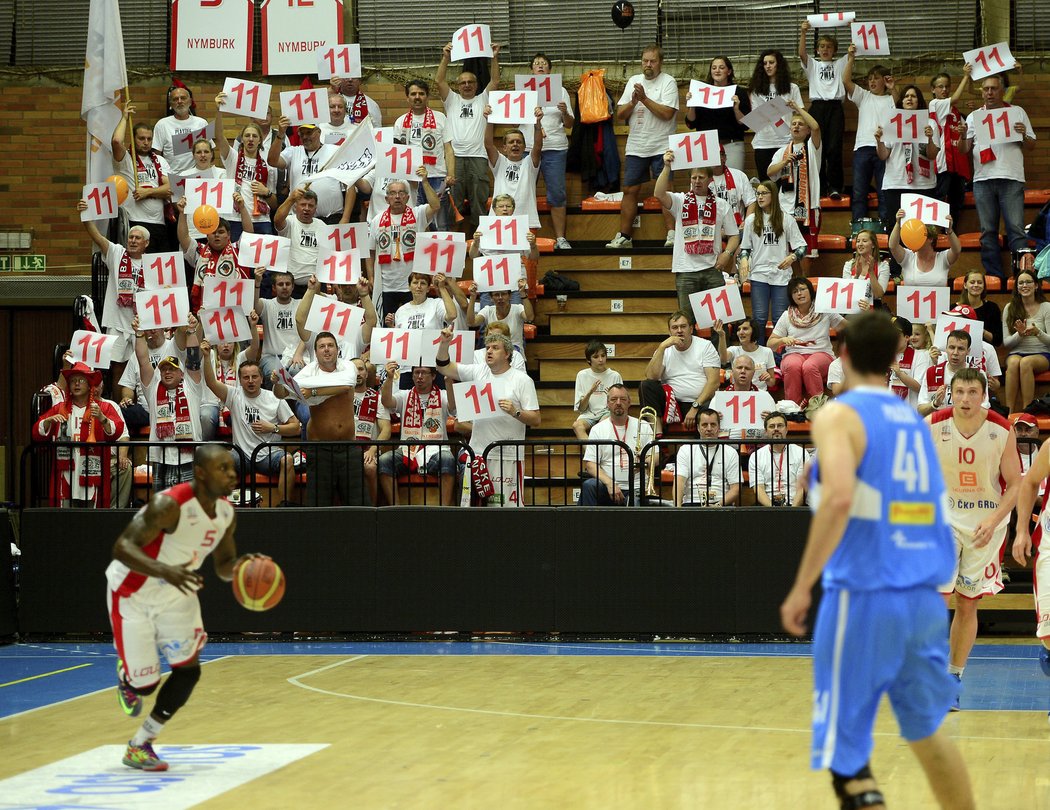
[(881, 537)]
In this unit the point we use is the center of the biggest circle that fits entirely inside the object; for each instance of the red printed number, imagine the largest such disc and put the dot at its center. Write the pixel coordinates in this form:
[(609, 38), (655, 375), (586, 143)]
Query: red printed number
[(160, 265), (297, 101), (96, 196), (338, 60), (991, 120), (329, 312), (709, 301), (216, 320), (846, 290), (235, 291), (156, 303), (209, 189), (689, 141), (339, 267), (490, 267), (983, 58), (736, 406), (262, 247), (338, 236), (396, 157), (903, 123), (471, 33), (88, 342), (499, 227), (239, 91), (435, 251), (917, 300), (863, 31), (517, 102), (474, 394), (390, 340), (531, 83)]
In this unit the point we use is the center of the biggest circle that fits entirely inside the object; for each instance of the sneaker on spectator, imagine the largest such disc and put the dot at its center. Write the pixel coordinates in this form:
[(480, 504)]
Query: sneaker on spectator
[(669, 240), (144, 758), (835, 194), (130, 700), (620, 241), (958, 693), (561, 243)]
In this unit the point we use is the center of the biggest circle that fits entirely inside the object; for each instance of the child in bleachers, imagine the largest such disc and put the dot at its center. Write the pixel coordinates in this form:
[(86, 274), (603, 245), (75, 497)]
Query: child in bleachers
[(826, 93), (592, 385)]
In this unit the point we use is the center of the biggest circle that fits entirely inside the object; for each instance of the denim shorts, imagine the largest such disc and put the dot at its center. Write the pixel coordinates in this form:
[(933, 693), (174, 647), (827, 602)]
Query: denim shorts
[(638, 170)]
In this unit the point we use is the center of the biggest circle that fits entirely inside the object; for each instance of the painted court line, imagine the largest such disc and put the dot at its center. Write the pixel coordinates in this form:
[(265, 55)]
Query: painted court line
[(44, 675)]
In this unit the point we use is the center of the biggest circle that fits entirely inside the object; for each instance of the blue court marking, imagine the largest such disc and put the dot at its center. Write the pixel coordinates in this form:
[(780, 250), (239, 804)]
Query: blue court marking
[(999, 677)]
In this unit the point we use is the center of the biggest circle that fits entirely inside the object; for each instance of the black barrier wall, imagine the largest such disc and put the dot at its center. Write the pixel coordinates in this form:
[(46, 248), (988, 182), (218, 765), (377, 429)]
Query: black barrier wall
[(571, 570)]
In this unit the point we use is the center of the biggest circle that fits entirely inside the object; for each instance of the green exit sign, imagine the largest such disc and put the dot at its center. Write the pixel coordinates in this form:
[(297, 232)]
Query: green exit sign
[(30, 263)]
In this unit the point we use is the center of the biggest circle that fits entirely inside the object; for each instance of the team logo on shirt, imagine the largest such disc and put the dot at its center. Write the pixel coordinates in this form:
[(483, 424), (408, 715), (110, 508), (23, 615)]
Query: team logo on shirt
[(428, 141), (408, 239), (383, 240), (466, 112)]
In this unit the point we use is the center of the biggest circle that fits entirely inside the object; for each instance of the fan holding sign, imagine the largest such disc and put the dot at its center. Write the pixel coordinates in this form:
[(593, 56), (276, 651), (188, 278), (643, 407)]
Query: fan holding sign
[(872, 103), (305, 160), (796, 169), (804, 335), (183, 120), (909, 142), (256, 180), (502, 207), (731, 131), (216, 257), (924, 266), (147, 173), (513, 173), (428, 129)]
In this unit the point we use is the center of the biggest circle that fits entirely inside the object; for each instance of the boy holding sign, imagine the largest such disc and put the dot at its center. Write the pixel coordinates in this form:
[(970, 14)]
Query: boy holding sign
[(513, 174)]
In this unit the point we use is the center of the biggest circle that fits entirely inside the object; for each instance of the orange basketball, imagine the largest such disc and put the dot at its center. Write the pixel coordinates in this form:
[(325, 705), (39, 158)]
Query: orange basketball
[(258, 583), (913, 234), (206, 219), (122, 187)]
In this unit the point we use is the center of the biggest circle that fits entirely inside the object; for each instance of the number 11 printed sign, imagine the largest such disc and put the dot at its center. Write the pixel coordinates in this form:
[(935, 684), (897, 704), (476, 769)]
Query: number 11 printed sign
[(694, 149), (93, 348), (470, 42), (870, 38), (478, 400), (717, 304), (840, 296)]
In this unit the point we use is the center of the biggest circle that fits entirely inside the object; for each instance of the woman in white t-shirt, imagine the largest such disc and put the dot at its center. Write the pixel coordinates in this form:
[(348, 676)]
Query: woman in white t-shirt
[(423, 312), (203, 168), (246, 165), (770, 78), (747, 334), (867, 263), (924, 267), (910, 166), (805, 336)]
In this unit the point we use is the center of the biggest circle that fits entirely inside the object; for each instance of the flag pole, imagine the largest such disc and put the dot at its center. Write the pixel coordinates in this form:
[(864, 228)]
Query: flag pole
[(131, 126)]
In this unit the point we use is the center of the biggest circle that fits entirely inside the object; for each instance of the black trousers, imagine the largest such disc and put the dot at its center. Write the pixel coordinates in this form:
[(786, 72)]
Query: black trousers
[(334, 475), (832, 120)]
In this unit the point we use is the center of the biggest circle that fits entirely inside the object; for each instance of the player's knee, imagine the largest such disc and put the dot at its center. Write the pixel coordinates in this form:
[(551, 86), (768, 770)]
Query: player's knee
[(146, 691), (856, 799), (177, 689)]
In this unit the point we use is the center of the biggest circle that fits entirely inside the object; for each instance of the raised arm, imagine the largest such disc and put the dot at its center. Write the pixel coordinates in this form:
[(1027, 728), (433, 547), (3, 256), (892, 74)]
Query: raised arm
[(537, 138), (494, 70), (663, 182), (803, 35), (120, 134), (313, 286), (220, 134), (273, 156), (954, 245), (101, 242), (444, 365), (443, 285), (442, 71), (386, 391), (896, 248), (280, 217), (847, 71), (214, 385)]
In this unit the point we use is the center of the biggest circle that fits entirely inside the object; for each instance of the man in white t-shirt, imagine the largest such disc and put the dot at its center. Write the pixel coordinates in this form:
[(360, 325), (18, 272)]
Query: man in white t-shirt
[(304, 230), (998, 175), (682, 375), (168, 130), (609, 465), (132, 395), (149, 180), (358, 105), (936, 389), (501, 309), (306, 160), (338, 126), (774, 470), (871, 104), (733, 186), (428, 129), (466, 123), (701, 220), (649, 105), (707, 474), (826, 94), (514, 173), (278, 318)]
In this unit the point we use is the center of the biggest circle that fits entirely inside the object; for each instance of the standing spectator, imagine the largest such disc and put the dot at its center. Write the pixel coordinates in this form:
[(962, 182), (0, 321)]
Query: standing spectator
[(158, 346), (775, 468), (338, 125), (204, 167), (701, 221), (975, 295), (303, 231), (592, 387), (422, 312), (467, 130), (867, 263), (731, 131), (514, 173), (770, 78), (871, 105), (1026, 334), (682, 375), (503, 206), (501, 309), (805, 337), (278, 319), (732, 185), (936, 390), (429, 130), (771, 244), (826, 94), (954, 171), (217, 256), (555, 121), (649, 105), (424, 418), (305, 160), (925, 267), (358, 105), (246, 165), (795, 170), (181, 121), (371, 423), (608, 465), (148, 176), (998, 177), (909, 166), (707, 474)]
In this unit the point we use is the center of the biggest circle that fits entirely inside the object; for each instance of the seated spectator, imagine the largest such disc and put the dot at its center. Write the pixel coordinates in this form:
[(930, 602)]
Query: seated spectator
[(608, 465), (1026, 428), (988, 361), (424, 417), (764, 362), (422, 312), (909, 369), (867, 263), (501, 309), (226, 361), (503, 206), (936, 390), (707, 474), (975, 295), (805, 337), (82, 476), (257, 417), (742, 377), (358, 105), (217, 256), (682, 375), (1026, 331), (924, 267), (158, 345), (517, 359), (774, 469), (149, 180), (592, 385)]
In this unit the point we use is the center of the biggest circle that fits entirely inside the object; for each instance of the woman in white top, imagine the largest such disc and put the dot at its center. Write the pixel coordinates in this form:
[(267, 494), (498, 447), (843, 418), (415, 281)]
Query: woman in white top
[(1026, 333), (423, 312), (867, 263), (910, 167), (924, 267), (770, 244), (805, 336), (246, 164), (747, 332), (770, 78), (203, 167)]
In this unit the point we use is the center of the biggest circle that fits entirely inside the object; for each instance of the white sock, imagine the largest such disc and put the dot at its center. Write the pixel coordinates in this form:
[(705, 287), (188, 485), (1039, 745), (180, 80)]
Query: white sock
[(148, 731), (954, 670)]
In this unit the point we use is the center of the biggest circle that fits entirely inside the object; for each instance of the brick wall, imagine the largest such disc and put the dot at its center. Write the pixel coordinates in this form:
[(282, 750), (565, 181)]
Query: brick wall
[(41, 170)]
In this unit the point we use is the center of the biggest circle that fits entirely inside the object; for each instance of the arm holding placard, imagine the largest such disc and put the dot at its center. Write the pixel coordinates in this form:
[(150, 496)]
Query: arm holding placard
[(220, 135), (433, 201), (313, 286), (386, 392), (526, 302), (954, 245), (446, 297), (182, 332), (101, 242), (442, 71), (474, 319), (847, 71), (894, 242), (146, 370), (182, 229), (254, 350), (444, 365), (280, 217), (273, 157), (246, 215), (214, 385), (493, 70), (490, 137), (364, 298), (662, 192), (537, 138)]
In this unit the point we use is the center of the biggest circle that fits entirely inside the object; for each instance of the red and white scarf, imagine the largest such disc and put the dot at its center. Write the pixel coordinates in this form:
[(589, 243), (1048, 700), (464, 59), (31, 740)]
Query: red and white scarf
[(954, 160), (143, 172), (429, 122), (174, 422), (423, 423), (798, 174), (390, 237), (906, 363), (209, 263), (129, 281), (914, 156), (672, 413), (730, 185), (366, 414), (261, 175), (699, 234), (358, 108)]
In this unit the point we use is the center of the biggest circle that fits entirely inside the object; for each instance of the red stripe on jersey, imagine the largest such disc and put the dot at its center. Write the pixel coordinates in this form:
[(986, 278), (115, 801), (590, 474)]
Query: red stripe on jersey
[(1037, 535), (940, 415), (181, 494)]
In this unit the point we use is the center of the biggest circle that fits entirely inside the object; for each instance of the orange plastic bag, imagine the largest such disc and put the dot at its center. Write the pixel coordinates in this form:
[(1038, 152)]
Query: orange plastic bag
[(594, 103)]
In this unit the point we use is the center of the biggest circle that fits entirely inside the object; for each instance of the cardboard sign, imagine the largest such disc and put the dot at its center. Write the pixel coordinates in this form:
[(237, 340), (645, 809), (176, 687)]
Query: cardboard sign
[(402, 346), (478, 400), (904, 126), (305, 106), (949, 323), (229, 293), (93, 348), (772, 113), (212, 36), (717, 304), (694, 149), (438, 252), (293, 31), (338, 267), (841, 296), (831, 20), (710, 96), (742, 410), (244, 97), (513, 106), (547, 87), (460, 347), (504, 233), (183, 144), (342, 61), (989, 60), (470, 42), (994, 127), (925, 209), (225, 325), (162, 309), (922, 304), (870, 38), (101, 201), (492, 273), (342, 320), (263, 250), (163, 270)]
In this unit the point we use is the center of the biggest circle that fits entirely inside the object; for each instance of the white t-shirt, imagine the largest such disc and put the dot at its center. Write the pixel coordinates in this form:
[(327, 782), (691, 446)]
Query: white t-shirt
[(870, 111), (170, 129), (724, 226), (818, 334), (924, 171), (709, 472), (836, 374), (778, 134), (117, 317), (313, 376), (518, 179), (612, 460), (244, 410), (762, 357), (883, 274), (648, 135), (466, 123), (428, 315), (302, 164), (369, 428), (227, 375), (213, 173), (768, 250), (150, 210), (685, 371), (131, 379), (555, 138), (935, 277), (825, 78), (926, 393), (431, 141), (279, 331), (777, 473), (518, 387), (245, 186), (191, 429), (394, 274), (335, 134), (940, 109), (302, 254), (597, 404), (739, 197), (515, 321), (1009, 157)]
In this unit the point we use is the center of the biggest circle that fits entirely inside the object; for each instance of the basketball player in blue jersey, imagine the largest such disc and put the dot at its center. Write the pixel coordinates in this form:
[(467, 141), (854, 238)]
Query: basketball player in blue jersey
[(880, 534)]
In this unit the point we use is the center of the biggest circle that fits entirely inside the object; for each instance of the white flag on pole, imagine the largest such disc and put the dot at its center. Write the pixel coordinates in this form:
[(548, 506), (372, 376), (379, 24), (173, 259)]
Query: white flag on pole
[(355, 156), (105, 75)]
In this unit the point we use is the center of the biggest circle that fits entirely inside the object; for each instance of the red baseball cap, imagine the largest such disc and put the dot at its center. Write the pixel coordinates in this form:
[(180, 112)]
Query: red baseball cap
[(964, 311), (1026, 419)]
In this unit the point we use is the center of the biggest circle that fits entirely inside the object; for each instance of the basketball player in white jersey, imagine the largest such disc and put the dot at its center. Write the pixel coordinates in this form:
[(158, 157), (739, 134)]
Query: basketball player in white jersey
[(982, 473), (152, 596)]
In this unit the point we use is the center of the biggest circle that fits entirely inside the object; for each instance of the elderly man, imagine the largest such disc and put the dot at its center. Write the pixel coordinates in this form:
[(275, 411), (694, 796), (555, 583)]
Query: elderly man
[(181, 122), (358, 105), (148, 176), (305, 160), (774, 469), (466, 121), (518, 405), (609, 465), (424, 418), (338, 125), (159, 345), (742, 378), (429, 130), (998, 174), (392, 240), (649, 104), (683, 374), (707, 474)]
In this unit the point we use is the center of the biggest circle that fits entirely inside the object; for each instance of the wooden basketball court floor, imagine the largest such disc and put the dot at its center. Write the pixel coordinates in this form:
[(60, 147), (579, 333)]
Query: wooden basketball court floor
[(489, 725)]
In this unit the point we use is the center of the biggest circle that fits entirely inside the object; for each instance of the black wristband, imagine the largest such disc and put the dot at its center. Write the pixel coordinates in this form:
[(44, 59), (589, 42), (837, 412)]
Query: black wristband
[(442, 363)]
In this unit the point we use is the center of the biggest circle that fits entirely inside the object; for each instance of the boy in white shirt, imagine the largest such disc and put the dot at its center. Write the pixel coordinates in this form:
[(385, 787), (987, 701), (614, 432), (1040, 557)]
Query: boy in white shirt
[(592, 387), (826, 93), (871, 104)]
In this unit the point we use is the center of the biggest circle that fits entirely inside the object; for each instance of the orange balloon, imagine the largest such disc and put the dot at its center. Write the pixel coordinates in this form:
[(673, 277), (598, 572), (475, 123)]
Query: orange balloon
[(913, 234), (206, 219), (122, 187)]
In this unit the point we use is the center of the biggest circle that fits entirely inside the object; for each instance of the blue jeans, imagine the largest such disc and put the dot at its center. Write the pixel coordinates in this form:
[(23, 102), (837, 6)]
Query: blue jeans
[(992, 198), (867, 167), (444, 214), (593, 492), (552, 166), (763, 297)]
